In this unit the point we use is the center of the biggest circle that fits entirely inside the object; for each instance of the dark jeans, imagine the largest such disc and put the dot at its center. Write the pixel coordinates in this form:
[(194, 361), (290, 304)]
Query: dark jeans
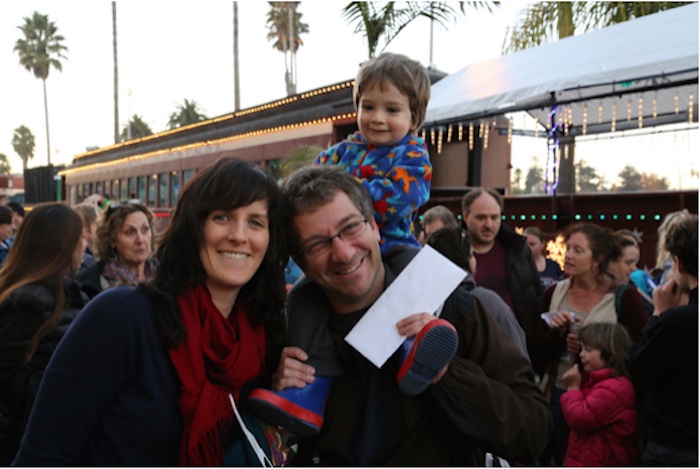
[(656, 455), (560, 433)]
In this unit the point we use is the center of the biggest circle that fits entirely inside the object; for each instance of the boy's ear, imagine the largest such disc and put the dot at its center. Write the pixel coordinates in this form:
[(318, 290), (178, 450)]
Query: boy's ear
[(679, 264)]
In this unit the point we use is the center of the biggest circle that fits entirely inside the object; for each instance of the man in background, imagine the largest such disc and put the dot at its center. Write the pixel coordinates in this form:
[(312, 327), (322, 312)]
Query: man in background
[(664, 360), (438, 217), (505, 262)]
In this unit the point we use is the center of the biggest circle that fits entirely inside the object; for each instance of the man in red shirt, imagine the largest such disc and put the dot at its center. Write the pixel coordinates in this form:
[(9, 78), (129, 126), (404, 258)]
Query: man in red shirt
[(504, 261)]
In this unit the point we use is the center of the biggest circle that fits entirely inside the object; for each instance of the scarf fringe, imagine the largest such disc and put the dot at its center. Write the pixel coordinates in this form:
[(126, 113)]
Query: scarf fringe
[(209, 450)]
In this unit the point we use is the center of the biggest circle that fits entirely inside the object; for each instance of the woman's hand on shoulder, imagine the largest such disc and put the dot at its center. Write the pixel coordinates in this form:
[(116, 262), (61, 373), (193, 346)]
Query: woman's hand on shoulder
[(292, 372)]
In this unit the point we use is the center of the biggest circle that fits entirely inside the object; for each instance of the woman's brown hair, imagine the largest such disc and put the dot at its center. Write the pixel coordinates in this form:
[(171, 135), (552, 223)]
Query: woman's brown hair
[(108, 226), (43, 252)]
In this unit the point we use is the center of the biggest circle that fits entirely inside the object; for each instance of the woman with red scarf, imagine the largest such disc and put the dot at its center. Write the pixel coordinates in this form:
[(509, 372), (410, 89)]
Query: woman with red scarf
[(145, 375)]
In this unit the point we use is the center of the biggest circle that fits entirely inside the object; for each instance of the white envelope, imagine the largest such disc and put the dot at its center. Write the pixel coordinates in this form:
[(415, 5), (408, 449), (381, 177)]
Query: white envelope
[(421, 287)]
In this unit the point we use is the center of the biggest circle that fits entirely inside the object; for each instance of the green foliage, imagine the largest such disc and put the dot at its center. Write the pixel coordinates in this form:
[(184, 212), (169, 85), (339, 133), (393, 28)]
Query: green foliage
[(278, 19), (632, 180), (278, 26), (534, 180), (651, 182), (298, 157), (39, 51), (388, 20), (41, 48), (23, 143), (186, 113), (515, 186), (542, 22), (5, 167), (139, 129), (587, 178)]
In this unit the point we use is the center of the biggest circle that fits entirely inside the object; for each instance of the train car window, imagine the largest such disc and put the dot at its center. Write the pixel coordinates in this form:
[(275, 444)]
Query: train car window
[(152, 190), (141, 183), (132, 189), (187, 175), (174, 187), (163, 189)]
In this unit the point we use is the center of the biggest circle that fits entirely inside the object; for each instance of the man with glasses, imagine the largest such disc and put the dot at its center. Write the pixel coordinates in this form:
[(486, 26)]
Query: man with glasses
[(484, 399)]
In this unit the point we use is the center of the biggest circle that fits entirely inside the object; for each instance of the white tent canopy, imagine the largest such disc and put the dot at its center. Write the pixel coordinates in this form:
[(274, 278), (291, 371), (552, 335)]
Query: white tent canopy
[(648, 64)]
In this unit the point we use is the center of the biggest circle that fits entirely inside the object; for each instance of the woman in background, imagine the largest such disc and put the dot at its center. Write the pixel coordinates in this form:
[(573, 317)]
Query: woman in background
[(550, 272), (38, 301), (585, 296), (124, 244)]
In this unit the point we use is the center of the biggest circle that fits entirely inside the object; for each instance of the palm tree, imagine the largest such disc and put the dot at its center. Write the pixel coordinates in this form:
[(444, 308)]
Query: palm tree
[(387, 21), (135, 128), (236, 80), (38, 52), (187, 113), (540, 21), (298, 157), (116, 72), (5, 167), (23, 144), (287, 39)]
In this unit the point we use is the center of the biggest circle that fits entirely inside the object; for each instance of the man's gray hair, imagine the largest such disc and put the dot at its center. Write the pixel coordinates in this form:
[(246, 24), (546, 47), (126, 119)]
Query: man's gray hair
[(442, 213)]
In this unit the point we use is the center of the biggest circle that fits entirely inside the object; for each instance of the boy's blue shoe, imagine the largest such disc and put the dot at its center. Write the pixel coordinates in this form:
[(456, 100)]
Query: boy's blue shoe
[(298, 410), (424, 355)]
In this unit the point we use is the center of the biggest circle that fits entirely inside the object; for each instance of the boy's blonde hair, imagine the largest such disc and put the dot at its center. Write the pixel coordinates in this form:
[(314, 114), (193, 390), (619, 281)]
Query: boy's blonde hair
[(407, 75)]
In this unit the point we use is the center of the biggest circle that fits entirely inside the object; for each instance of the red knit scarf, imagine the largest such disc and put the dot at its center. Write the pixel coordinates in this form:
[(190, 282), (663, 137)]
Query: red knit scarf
[(216, 356)]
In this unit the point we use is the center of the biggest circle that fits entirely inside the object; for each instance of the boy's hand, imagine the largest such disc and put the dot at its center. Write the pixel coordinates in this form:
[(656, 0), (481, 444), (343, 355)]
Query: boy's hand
[(292, 372), (667, 296), (412, 325)]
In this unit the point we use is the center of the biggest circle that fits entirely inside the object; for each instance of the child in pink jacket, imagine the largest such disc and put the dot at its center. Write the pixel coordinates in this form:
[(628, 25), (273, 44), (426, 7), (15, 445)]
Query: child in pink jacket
[(599, 405)]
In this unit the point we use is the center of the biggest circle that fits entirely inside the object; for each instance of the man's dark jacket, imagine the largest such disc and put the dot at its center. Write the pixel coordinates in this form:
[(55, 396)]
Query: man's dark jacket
[(523, 280)]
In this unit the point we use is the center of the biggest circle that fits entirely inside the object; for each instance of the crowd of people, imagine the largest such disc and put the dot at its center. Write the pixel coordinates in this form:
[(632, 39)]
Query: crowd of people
[(203, 346)]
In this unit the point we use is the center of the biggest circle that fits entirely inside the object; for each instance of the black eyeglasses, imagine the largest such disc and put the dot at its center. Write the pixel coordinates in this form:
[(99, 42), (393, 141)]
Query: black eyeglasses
[(111, 208), (349, 232)]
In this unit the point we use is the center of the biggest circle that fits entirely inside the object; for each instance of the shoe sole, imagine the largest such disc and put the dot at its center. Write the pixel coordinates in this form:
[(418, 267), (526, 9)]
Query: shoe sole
[(435, 346), (276, 410)]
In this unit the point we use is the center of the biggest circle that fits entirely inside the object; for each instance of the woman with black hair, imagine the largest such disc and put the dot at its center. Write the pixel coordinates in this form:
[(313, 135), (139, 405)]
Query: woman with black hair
[(146, 375), (38, 301)]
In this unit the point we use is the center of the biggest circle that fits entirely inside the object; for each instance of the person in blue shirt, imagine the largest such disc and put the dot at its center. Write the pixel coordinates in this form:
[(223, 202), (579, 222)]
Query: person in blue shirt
[(550, 271)]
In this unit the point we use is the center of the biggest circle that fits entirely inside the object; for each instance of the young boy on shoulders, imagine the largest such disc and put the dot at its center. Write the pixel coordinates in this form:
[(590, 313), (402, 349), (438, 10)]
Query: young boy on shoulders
[(391, 96)]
